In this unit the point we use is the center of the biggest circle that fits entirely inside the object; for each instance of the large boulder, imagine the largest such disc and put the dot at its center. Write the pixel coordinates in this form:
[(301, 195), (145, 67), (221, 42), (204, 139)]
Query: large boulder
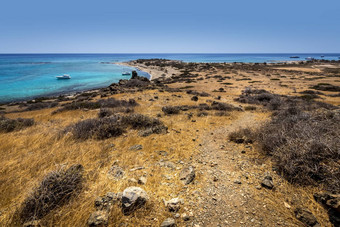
[(187, 175), (133, 198)]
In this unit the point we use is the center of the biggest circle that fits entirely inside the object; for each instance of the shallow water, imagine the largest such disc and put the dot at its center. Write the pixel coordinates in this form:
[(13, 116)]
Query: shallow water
[(24, 76)]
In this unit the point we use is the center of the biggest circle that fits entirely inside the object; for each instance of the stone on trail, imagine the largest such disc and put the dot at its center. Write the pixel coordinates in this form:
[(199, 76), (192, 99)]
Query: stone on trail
[(133, 198), (98, 218), (169, 222), (173, 204), (267, 182), (187, 175)]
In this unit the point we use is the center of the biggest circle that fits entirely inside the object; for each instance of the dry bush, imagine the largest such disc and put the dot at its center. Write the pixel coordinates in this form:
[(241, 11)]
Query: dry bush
[(55, 190), (260, 97), (305, 146), (136, 83), (326, 87), (9, 125), (103, 103), (243, 135), (105, 112), (97, 128), (139, 121), (114, 126), (223, 106), (303, 139), (41, 105), (171, 109)]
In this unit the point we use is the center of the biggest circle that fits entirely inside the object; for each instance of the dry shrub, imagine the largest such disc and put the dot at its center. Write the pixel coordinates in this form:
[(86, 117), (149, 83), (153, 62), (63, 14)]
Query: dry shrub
[(202, 106), (303, 139), (139, 121), (9, 125), (103, 103), (105, 112), (114, 126), (326, 87), (260, 97), (223, 106), (171, 109), (243, 135), (55, 190), (305, 146), (97, 128), (41, 105)]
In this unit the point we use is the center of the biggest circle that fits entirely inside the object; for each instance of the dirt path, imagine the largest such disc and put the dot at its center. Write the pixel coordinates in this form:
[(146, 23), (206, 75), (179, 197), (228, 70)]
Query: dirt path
[(231, 194)]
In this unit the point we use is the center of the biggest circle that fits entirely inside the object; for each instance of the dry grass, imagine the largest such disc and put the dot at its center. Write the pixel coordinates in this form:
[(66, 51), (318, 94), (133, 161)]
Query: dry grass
[(34, 152)]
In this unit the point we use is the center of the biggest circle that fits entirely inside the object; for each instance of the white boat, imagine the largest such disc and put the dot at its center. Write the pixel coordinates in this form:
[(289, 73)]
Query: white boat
[(126, 73), (65, 76), (309, 59)]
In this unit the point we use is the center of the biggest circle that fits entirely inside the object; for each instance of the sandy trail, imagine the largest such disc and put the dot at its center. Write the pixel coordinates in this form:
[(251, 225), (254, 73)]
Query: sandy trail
[(230, 196)]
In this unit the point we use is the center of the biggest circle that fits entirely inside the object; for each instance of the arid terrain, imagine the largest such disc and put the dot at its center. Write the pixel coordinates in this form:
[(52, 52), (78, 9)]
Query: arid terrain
[(206, 144)]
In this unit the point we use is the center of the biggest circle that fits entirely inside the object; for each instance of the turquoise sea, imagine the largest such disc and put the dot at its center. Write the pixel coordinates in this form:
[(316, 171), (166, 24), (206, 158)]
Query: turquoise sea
[(25, 76)]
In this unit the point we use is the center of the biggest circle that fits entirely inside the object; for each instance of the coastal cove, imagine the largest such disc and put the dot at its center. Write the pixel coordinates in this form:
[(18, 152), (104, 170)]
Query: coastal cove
[(26, 76)]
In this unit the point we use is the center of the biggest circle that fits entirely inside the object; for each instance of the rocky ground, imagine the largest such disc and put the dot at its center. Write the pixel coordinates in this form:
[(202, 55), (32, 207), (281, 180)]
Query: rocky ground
[(168, 161)]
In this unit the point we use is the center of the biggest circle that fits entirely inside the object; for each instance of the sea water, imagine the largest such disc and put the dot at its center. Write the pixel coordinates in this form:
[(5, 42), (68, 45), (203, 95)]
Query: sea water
[(25, 76)]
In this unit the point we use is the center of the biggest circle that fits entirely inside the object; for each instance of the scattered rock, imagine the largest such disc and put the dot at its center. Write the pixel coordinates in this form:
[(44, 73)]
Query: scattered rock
[(116, 172), (194, 98), (169, 222), (306, 217), (132, 199), (167, 164), (237, 182), (132, 180), (105, 202), (34, 223), (98, 218), (267, 182), (137, 168), (187, 175), (286, 205), (174, 204), (136, 147), (185, 217), (239, 140), (142, 180), (162, 153)]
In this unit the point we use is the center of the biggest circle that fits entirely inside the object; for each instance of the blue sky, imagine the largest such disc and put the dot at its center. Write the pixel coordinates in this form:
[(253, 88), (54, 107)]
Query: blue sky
[(176, 26)]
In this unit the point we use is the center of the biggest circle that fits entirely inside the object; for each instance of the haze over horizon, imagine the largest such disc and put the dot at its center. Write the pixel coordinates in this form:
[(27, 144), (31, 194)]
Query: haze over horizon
[(169, 27)]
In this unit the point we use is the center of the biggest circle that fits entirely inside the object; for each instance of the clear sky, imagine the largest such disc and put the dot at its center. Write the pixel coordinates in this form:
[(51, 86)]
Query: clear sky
[(173, 26)]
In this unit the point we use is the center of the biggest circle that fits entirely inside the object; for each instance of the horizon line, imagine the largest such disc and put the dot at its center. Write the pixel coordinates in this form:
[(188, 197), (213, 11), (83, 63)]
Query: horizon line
[(176, 53)]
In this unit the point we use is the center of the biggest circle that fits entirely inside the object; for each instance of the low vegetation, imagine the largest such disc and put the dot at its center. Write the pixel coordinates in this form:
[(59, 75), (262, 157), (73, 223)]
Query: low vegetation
[(303, 138), (103, 103), (326, 87), (9, 125), (55, 189), (114, 125)]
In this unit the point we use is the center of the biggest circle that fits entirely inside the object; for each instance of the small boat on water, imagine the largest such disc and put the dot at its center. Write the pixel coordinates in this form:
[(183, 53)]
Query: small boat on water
[(65, 76), (322, 56), (294, 57), (126, 73), (309, 59)]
